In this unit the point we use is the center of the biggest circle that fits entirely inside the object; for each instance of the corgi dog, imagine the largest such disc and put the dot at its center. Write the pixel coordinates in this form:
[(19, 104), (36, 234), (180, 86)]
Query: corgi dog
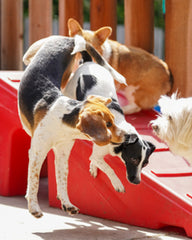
[(147, 76), (54, 121)]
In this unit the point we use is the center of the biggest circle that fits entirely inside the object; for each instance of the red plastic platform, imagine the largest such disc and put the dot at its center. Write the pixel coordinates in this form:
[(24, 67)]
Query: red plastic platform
[(14, 142), (163, 198)]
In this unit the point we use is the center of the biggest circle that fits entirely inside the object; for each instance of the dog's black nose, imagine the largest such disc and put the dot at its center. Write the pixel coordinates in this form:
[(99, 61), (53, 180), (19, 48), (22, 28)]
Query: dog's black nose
[(134, 180)]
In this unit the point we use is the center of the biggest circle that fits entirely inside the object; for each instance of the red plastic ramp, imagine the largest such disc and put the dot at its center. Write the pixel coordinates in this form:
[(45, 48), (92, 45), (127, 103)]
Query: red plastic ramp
[(164, 197), (14, 142)]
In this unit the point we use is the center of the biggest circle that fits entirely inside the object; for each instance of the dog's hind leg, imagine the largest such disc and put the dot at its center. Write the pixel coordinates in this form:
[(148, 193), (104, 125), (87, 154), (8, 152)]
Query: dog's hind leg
[(62, 152), (97, 161), (37, 155)]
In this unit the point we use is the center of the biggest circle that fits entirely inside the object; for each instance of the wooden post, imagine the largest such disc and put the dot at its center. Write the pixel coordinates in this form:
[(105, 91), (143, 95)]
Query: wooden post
[(104, 13), (139, 23), (178, 44), (40, 19), (11, 34), (69, 9)]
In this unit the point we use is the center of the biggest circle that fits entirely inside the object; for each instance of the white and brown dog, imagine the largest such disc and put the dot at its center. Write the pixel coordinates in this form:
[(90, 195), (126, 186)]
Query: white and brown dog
[(90, 79), (174, 125), (147, 76), (54, 120)]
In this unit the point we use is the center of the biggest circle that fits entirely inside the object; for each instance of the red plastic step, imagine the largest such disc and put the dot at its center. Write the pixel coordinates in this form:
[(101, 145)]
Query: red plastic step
[(14, 142)]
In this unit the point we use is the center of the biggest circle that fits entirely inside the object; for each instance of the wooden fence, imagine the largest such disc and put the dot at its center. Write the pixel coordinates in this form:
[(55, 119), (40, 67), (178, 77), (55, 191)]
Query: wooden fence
[(138, 22)]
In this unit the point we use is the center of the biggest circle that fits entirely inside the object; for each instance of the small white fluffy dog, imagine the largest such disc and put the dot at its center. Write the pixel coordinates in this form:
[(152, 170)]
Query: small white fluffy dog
[(174, 125)]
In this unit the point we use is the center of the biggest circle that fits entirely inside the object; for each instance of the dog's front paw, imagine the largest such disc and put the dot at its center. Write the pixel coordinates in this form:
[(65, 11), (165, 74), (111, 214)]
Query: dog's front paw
[(35, 210), (37, 214), (71, 210), (93, 170), (118, 186)]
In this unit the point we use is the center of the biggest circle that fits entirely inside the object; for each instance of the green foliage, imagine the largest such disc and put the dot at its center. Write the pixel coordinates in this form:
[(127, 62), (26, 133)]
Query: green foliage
[(86, 8), (120, 11), (158, 14)]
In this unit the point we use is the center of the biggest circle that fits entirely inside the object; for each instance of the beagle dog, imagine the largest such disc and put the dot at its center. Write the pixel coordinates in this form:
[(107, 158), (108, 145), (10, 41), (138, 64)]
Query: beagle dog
[(54, 121), (147, 76), (90, 78)]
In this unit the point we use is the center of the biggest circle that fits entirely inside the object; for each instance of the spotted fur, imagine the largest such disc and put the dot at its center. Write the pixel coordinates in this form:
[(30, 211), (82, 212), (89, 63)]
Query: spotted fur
[(134, 151), (53, 120)]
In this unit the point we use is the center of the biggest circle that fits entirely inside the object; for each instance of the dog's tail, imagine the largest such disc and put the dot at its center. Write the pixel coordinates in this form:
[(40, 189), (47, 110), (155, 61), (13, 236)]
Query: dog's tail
[(81, 45), (32, 50)]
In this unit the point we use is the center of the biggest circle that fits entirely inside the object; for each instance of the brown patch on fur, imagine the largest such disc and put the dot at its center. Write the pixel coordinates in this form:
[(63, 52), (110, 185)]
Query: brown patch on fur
[(141, 69), (38, 116), (73, 65), (25, 122), (97, 121)]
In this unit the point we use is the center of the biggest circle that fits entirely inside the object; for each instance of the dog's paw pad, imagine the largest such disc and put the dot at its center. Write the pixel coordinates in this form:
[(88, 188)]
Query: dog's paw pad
[(71, 210), (122, 190), (118, 186), (37, 214)]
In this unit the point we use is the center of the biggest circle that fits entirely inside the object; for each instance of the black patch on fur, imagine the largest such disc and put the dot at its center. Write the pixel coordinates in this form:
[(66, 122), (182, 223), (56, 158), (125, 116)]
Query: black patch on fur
[(72, 117), (84, 83), (37, 95), (93, 52), (40, 84), (115, 105), (86, 57)]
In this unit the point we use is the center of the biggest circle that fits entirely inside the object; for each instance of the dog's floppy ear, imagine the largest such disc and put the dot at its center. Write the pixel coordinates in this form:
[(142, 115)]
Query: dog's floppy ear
[(103, 33), (74, 27), (99, 99), (131, 138), (94, 127), (151, 146)]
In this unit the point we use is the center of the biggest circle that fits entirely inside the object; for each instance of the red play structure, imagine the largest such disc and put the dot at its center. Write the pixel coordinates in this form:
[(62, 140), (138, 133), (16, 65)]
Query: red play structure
[(164, 197)]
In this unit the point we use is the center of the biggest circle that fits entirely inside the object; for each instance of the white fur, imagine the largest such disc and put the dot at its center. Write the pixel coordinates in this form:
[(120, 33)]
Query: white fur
[(174, 125), (131, 107), (106, 50)]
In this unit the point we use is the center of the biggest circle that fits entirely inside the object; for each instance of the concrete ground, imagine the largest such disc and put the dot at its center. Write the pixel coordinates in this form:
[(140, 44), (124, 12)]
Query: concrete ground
[(17, 224)]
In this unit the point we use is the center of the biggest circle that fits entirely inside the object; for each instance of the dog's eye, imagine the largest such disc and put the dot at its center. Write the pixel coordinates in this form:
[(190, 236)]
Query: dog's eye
[(108, 124), (170, 118), (135, 161)]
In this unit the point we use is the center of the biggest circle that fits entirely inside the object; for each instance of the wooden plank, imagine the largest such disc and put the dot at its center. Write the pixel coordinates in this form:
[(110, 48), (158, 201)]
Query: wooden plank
[(178, 47), (40, 19), (139, 23), (11, 34), (104, 13), (69, 9)]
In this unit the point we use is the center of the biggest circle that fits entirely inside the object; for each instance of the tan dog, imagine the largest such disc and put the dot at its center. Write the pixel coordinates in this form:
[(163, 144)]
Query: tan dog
[(147, 76)]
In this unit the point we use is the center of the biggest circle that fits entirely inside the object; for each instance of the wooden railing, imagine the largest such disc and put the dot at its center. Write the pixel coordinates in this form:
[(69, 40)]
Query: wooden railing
[(138, 22)]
